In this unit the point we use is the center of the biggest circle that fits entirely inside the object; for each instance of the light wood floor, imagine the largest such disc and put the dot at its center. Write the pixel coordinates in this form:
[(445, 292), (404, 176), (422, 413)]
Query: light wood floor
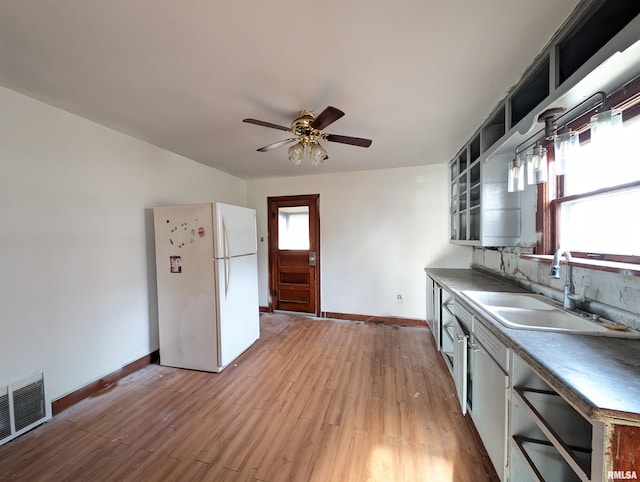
[(312, 400)]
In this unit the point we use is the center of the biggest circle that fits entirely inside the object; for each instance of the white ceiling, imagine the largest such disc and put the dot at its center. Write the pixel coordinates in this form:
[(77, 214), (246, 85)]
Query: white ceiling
[(416, 76)]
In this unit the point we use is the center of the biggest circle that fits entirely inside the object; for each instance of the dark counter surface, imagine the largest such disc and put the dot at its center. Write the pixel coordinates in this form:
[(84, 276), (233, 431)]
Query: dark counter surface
[(599, 375)]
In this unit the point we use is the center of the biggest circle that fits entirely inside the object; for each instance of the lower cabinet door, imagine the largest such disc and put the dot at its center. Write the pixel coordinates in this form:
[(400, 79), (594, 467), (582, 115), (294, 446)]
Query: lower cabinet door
[(490, 407), (460, 363)]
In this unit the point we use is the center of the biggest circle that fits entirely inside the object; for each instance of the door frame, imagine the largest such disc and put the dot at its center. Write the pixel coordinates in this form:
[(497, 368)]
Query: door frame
[(313, 199)]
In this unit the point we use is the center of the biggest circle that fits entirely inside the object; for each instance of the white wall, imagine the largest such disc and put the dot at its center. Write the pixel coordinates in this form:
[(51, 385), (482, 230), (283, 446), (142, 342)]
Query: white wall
[(379, 229), (77, 293)]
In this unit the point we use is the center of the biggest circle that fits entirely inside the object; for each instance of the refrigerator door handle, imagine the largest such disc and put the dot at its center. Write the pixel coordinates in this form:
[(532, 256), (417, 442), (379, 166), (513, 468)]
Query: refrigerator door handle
[(227, 259)]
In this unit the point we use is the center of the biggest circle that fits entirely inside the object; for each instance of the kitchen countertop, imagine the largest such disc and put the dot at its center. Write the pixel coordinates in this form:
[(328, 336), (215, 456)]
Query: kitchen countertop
[(599, 375)]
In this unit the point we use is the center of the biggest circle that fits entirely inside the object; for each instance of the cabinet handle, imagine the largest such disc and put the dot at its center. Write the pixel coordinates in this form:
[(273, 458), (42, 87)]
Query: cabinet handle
[(474, 347)]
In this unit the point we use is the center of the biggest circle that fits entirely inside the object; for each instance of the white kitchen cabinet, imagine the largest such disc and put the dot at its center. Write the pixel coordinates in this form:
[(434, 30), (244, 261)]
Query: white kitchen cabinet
[(447, 323), (525, 409), (434, 317), (490, 399), (451, 338), (550, 439), (461, 339), (465, 194), (482, 213)]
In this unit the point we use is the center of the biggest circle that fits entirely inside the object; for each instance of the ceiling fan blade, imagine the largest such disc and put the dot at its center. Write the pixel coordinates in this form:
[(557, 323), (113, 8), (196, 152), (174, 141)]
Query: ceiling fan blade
[(277, 144), (326, 117), (354, 141), (266, 124)]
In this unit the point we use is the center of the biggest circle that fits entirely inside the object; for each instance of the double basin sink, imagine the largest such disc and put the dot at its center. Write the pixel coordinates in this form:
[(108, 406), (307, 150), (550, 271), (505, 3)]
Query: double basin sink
[(527, 311)]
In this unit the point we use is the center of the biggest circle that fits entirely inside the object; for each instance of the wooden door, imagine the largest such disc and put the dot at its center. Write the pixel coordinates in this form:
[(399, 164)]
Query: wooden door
[(294, 253)]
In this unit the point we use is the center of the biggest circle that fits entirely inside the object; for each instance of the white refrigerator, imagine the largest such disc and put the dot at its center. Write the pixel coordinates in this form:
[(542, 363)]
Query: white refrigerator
[(207, 278)]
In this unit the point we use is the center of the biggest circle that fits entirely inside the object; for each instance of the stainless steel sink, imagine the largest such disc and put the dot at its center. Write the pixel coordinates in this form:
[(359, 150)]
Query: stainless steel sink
[(525, 301), (527, 311)]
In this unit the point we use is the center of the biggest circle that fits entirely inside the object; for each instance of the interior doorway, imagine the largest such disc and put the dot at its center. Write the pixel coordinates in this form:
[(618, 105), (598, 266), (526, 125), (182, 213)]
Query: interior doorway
[(294, 253)]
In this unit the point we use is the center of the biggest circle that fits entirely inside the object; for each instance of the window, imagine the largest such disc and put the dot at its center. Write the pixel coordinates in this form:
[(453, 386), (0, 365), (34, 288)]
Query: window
[(293, 227), (603, 223), (599, 213), (592, 210)]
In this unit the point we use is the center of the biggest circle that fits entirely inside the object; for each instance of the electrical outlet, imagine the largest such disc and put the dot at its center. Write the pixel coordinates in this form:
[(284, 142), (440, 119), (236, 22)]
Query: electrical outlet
[(399, 298)]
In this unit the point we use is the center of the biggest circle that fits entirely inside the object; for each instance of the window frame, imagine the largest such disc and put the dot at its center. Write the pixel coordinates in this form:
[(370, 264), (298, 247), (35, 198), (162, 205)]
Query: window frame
[(550, 195)]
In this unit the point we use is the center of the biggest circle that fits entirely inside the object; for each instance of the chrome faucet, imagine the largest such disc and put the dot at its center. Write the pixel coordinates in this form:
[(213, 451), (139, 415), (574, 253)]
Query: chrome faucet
[(568, 301)]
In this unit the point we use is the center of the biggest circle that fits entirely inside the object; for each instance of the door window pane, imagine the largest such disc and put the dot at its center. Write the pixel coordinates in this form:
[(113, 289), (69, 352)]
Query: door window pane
[(293, 227)]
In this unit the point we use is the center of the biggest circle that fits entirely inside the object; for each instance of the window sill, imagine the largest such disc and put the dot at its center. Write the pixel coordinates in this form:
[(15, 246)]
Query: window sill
[(628, 269)]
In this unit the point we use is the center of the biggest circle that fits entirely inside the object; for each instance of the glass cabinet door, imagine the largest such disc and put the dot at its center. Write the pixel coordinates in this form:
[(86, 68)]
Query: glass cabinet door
[(465, 198)]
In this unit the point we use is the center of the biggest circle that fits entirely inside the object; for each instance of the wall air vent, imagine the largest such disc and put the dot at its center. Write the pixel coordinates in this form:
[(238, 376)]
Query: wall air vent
[(23, 405)]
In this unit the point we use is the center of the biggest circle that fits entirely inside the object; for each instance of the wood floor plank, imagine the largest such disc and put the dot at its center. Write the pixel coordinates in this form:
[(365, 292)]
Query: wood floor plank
[(323, 463), (118, 415), (312, 400), (188, 470), (14, 457), (125, 462), (298, 397), (384, 459), (35, 449), (262, 444), (153, 467), (79, 444), (317, 406), (208, 435), (176, 420), (345, 453), (240, 440), (150, 422), (289, 456), (103, 459)]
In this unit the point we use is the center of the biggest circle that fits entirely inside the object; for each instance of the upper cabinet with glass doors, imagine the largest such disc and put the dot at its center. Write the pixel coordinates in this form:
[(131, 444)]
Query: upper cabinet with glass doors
[(482, 213), (465, 194), (596, 49)]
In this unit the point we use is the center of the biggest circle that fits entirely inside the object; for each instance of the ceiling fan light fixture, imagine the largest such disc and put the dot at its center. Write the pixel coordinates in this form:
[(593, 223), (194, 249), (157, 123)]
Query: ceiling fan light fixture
[(318, 154), (296, 152)]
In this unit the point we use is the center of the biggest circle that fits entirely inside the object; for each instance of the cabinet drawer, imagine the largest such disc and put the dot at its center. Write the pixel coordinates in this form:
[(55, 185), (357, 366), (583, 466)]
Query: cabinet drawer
[(496, 348), (464, 316)]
